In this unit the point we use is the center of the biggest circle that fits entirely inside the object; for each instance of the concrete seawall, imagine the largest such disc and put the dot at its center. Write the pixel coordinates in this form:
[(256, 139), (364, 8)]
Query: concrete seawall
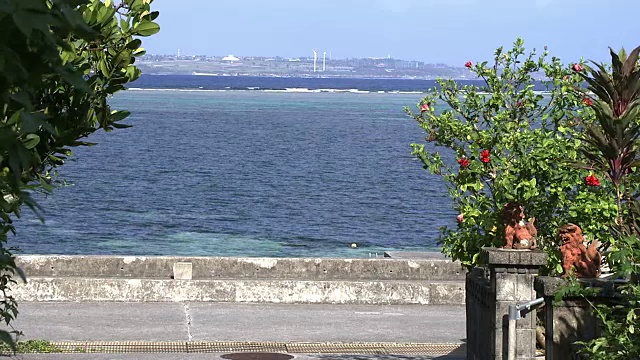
[(161, 267), (223, 279)]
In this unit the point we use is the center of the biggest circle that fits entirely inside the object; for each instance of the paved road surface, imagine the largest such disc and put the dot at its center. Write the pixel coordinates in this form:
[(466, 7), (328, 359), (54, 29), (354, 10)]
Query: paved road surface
[(239, 322)]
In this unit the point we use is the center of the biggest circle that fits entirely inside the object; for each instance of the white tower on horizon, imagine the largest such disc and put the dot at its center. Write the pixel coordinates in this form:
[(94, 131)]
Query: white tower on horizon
[(324, 60), (315, 59)]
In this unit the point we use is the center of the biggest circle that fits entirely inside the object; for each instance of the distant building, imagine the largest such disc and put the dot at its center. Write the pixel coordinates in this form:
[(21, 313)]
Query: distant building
[(230, 58)]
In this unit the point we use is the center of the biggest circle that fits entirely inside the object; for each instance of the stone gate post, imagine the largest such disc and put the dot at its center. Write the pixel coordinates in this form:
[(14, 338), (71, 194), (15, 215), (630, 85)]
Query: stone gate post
[(511, 277)]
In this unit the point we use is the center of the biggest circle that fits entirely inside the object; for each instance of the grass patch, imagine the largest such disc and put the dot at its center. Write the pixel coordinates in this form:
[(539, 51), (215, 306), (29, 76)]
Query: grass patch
[(30, 346)]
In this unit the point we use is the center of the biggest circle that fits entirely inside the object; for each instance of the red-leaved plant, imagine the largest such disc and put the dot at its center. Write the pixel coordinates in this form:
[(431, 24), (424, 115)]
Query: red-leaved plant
[(612, 140), (612, 145)]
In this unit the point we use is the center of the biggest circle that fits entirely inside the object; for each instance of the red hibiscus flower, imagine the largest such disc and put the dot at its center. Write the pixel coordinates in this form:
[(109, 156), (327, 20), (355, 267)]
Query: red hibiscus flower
[(424, 107), (592, 180), (464, 163), (468, 64), (484, 156), (577, 67), (587, 101)]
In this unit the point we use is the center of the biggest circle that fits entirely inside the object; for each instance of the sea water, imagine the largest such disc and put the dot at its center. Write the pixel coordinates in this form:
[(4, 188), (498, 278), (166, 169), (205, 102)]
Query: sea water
[(247, 173)]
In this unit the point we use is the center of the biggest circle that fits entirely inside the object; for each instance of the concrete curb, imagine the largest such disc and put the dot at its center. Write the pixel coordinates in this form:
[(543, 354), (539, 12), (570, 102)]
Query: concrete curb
[(260, 347), (65, 289)]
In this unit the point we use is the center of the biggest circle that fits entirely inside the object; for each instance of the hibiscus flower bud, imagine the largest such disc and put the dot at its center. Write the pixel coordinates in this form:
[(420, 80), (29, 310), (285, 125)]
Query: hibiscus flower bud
[(464, 163), (424, 107), (485, 157), (460, 218), (587, 101), (577, 67), (592, 180), (468, 64)]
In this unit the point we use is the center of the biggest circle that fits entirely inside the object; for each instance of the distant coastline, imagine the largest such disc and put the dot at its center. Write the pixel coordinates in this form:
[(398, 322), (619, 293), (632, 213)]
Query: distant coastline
[(373, 68), (301, 70), (309, 76)]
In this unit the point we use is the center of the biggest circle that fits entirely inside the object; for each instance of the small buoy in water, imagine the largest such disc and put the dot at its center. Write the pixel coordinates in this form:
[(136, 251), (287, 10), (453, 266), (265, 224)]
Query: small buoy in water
[(354, 245)]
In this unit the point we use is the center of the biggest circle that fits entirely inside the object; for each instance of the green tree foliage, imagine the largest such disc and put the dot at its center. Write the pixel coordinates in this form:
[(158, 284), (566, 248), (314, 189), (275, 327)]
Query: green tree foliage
[(60, 61), (513, 144)]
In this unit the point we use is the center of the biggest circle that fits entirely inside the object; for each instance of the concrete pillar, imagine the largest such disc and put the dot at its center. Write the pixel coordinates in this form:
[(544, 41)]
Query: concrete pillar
[(511, 276)]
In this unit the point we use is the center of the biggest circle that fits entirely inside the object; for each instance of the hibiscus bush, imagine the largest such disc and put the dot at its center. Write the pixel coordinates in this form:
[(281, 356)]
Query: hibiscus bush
[(511, 137)]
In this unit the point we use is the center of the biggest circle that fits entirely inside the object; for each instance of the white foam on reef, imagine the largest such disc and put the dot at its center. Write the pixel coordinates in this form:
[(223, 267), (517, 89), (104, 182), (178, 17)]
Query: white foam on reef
[(181, 90), (297, 90), (286, 90)]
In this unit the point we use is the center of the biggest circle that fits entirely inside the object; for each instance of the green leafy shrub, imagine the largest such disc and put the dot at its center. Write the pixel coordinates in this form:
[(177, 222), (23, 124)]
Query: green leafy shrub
[(512, 144), (59, 63)]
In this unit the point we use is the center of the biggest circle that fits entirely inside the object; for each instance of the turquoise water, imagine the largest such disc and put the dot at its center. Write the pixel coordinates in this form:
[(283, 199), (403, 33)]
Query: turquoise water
[(246, 173)]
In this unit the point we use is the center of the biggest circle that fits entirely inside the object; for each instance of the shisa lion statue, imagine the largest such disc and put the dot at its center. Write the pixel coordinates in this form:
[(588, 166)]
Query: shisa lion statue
[(575, 255), (518, 234)]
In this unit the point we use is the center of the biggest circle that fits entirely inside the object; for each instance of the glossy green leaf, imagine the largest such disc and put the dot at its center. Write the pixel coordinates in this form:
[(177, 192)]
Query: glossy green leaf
[(119, 115), (147, 28), (31, 141), (134, 44), (151, 16)]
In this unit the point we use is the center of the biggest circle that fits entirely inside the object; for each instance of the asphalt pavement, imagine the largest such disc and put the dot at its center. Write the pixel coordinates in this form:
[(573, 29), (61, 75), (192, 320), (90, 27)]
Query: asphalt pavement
[(238, 322)]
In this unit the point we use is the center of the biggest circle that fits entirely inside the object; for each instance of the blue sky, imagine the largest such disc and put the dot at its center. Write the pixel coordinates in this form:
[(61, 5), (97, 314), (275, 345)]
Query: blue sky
[(435, 31)]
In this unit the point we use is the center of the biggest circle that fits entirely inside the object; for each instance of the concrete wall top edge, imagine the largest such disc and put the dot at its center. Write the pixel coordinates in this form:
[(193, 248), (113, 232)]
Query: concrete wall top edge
[(247, 258), (240, 268)]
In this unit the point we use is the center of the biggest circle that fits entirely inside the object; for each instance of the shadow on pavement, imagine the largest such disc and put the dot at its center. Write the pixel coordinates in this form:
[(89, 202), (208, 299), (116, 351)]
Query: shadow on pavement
[(387, 357)]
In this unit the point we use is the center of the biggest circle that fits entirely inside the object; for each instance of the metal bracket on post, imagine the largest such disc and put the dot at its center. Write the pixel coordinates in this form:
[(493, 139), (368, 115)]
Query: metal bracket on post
[(515, 314)]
